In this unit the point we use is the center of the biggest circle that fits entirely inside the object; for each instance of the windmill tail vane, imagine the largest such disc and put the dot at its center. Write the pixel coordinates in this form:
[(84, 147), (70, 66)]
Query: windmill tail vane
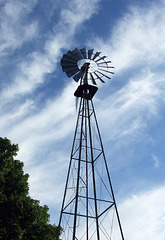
[(89, 210)]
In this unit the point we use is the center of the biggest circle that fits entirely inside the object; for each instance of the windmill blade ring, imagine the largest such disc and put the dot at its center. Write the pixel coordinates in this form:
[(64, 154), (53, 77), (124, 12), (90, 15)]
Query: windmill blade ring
[(79, 62)]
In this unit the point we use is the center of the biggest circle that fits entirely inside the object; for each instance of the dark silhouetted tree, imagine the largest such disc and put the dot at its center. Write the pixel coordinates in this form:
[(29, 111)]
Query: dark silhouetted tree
[(21, 217)]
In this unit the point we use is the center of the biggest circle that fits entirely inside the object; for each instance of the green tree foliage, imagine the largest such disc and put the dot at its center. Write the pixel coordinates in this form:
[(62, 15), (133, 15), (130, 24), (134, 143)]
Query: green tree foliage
[(21, 218)]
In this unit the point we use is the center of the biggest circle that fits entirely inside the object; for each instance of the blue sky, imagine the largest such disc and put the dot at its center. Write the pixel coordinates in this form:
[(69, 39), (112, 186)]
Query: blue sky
[(37, 106)]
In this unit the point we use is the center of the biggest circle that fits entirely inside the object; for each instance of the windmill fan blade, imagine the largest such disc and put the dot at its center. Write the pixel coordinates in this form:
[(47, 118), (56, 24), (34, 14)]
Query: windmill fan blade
[(68, 58), (78, 76), (106, 71), (70, 69), (99, 77), (105, 66), (104, 62), (100, 59), (83, 52), (93, 80), (90, 52), (69, 64), (71, 55), (77, 54), (72, 72), (96, 55), (103, 74)]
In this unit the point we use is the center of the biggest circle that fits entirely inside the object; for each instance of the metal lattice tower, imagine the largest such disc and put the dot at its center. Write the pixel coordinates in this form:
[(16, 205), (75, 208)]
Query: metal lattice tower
[(89, 210)]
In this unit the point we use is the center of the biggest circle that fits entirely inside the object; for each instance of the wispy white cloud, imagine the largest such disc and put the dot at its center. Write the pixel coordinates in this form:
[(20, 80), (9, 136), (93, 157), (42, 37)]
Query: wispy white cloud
[(155, 160), (30, 74), (17, 114), (77, 12), (34, 131), (45, 180), (15, 30), (31, 71), (137, 39), (143, 215), (135, 46), (127, 111)]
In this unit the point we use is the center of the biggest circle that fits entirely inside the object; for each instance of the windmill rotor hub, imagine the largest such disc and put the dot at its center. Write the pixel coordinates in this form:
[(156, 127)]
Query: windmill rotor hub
[(90, 64), (85, 67)]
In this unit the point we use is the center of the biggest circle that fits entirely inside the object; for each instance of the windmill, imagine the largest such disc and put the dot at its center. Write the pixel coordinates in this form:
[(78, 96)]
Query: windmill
[(89, 210)]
